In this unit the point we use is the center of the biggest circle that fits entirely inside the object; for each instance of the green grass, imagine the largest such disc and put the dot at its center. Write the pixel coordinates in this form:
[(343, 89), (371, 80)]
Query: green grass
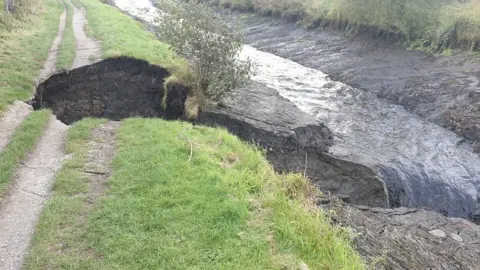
[(21, 143), (24, 45), (223, 209), (441, 23), (121, 35), (67, 50)]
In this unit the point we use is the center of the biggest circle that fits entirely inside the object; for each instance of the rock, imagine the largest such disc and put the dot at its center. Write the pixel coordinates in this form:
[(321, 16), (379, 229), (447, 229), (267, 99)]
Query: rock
[(414, 238), (438, 233), (456, 237), (258, 114)]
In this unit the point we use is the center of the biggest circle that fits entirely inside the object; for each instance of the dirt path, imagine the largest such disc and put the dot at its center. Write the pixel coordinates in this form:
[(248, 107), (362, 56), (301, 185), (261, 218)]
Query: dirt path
[(88, 50), (23, 205), (32, 181), (101, 151), (16, 113)]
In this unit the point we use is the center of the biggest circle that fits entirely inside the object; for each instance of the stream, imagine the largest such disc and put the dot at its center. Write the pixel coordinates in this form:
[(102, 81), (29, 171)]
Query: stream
[(422, 163)]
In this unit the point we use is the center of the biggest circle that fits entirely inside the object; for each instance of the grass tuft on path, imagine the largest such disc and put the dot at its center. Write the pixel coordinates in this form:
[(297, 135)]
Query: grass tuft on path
[(184, 197), (24, 49), (120, 35), (20, 144), (68, 49)]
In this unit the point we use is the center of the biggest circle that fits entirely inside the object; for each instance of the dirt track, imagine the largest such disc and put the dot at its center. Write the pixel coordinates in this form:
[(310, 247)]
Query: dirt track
[(31, 185)]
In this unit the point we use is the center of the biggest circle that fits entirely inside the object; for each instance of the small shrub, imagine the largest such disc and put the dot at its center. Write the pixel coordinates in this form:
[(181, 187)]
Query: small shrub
[(209, 44)]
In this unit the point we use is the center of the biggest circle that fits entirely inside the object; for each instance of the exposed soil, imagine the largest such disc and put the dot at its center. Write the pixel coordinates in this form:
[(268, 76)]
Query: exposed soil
[(113, 88), (445, 90)]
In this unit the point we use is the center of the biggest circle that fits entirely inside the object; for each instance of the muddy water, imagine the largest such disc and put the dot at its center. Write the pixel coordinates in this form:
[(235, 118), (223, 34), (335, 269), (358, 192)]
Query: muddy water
[(422, 163)]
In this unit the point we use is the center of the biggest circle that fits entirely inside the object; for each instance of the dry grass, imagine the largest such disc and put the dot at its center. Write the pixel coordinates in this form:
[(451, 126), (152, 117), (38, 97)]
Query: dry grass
[(193, 106)]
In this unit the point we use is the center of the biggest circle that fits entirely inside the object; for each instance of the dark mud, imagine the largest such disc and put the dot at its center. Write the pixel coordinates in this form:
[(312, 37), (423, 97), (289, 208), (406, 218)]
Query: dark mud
[(113, 88), (295, 142), (444, 90)]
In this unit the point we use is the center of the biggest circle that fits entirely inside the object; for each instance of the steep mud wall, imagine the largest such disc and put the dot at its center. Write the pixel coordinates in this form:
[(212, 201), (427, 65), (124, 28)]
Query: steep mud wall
[(113, 89)]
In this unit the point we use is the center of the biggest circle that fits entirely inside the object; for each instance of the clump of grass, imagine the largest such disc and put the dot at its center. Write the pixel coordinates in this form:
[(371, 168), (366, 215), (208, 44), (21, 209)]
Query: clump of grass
[(183, 197), (67, 50), (24, 48), (21, 143)]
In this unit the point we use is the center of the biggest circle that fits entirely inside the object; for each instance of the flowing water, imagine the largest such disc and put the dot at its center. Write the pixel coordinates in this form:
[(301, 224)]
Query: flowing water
[(422, 164)]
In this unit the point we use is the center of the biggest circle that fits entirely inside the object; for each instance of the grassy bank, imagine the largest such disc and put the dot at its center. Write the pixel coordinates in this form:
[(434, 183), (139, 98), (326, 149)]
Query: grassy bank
[(434, 24), (120, 35), (184, 197), (21, 143), (67, 50), (25, 39)]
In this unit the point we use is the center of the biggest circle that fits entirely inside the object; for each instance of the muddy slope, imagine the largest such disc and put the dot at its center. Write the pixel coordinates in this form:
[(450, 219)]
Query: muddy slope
[(125, 87), (445, 90)]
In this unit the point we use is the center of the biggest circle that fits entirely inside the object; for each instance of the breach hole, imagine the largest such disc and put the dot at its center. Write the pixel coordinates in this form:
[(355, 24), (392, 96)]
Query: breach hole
[(114, 88)]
